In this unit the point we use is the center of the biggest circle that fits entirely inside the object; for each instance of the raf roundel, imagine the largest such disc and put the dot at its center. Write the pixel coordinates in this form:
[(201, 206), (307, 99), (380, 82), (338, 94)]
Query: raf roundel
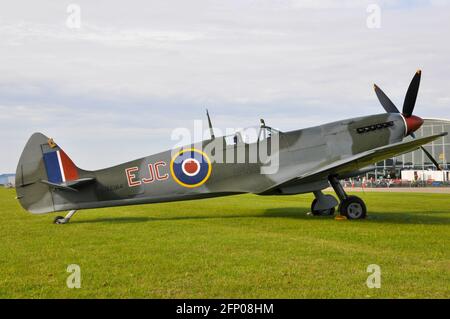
[(190, 168)]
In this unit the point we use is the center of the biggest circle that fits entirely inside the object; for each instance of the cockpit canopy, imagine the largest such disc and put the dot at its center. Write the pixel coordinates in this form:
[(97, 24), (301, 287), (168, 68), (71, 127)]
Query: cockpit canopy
[(250, 135)]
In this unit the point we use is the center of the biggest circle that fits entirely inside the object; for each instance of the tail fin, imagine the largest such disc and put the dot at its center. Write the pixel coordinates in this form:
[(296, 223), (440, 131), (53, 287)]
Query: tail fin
[(43, 166)]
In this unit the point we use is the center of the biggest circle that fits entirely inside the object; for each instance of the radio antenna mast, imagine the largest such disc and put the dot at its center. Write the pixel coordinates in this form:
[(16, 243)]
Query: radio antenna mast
[(211, 131)]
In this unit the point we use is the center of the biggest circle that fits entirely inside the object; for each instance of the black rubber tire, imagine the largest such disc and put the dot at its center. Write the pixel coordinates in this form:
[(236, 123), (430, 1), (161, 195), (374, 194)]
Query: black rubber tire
[(56, 219), (353, 207), (327, 212)]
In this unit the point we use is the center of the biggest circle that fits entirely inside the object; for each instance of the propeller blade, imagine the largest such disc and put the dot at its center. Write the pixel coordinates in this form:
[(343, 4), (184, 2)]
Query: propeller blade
[(428, 154), (431, 158), (385, 101), (411, 95)]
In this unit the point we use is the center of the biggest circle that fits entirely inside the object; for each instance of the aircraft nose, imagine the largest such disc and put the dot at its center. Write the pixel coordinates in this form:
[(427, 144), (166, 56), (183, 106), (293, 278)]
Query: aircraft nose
[(413, 123)]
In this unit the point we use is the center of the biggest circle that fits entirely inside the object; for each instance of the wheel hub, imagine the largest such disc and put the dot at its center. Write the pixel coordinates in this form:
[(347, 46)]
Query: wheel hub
[(354, 210)]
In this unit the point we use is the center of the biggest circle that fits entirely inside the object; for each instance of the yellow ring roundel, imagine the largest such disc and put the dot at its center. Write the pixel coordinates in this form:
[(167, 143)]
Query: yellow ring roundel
[(190, 167)]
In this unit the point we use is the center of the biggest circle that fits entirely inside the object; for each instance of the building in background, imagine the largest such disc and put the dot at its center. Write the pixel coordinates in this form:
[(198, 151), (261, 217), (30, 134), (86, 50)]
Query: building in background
[(8, 180)]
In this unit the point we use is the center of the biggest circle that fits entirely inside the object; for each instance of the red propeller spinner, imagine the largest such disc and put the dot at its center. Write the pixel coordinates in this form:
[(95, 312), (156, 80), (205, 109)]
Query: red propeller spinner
[(413, 123)]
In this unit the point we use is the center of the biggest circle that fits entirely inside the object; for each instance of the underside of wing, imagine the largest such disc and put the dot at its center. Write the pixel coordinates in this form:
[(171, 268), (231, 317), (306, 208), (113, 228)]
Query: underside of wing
[(356, 162)]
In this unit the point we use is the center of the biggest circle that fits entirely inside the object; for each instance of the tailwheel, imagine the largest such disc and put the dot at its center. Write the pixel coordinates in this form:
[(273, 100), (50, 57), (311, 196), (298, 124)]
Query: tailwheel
[(59, 220), (325, 212), (64, 220), (353, 207)]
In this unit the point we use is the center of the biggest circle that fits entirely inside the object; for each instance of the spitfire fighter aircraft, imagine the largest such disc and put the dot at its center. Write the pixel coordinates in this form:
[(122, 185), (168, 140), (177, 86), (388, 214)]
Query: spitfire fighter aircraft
[(308, 160)]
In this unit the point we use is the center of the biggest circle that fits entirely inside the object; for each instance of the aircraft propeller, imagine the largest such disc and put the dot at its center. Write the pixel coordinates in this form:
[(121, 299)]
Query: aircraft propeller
[(412, 122)]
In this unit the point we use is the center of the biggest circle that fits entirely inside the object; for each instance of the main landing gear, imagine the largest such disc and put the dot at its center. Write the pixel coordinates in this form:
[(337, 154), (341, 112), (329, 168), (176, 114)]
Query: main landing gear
[(351, 207), (64, 220)]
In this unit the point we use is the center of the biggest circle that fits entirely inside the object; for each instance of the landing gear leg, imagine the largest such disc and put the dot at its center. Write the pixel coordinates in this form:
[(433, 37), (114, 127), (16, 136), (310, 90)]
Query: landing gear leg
[(351, 207), (64, 220)]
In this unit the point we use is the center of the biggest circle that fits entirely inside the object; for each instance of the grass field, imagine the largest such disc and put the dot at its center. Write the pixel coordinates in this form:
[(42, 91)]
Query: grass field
[(243, 246)]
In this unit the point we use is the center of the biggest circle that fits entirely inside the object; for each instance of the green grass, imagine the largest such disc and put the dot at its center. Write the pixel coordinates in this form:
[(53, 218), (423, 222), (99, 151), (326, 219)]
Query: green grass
[(243, 246)]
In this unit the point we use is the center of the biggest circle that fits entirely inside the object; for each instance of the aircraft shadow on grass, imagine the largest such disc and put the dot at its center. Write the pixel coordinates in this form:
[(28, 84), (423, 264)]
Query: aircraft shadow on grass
[(288, 212), (141, 219), (374, 217)]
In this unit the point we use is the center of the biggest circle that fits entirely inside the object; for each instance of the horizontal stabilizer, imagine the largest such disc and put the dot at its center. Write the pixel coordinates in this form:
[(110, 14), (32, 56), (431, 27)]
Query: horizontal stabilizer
[(71, 185)]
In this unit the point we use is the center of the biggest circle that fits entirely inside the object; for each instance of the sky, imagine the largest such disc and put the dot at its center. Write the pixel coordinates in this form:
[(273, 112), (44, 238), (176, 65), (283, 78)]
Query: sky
[(115, 88)]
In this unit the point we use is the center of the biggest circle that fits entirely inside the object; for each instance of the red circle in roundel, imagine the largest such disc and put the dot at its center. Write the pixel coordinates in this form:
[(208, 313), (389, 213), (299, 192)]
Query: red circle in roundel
[(191, 166)]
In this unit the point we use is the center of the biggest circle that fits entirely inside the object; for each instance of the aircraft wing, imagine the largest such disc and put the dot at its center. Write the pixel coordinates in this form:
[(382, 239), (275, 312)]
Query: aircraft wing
[(358, 161)]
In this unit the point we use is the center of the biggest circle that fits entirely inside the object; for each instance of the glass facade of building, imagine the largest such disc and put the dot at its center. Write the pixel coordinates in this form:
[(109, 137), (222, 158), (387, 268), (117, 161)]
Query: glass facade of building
[(440, 149)]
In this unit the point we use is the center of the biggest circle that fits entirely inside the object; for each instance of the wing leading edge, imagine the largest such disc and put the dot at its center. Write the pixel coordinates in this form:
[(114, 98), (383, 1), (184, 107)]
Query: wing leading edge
[(358, 161)]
